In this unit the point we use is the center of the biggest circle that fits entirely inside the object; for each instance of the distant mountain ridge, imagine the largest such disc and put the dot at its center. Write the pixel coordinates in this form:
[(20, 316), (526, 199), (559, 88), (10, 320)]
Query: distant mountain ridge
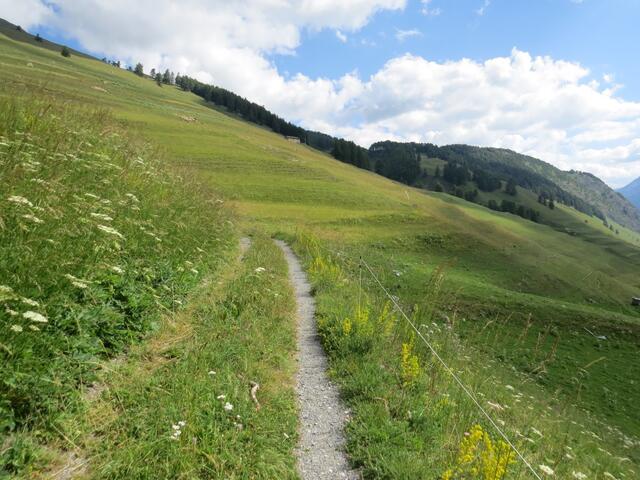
[(632, 192), (583, 191)]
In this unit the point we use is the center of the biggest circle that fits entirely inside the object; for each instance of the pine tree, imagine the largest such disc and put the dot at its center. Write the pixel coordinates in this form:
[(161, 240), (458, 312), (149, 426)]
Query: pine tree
[(511, 188), (152, 73), (139, 70), (158, 78)]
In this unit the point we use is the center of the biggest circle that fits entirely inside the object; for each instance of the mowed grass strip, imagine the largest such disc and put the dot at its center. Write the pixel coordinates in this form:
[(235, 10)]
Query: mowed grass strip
[(181, 406)]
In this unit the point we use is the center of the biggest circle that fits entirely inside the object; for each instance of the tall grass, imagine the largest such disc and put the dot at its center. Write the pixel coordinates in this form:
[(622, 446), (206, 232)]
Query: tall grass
[(410, 418), (96, 240), (183, 401)]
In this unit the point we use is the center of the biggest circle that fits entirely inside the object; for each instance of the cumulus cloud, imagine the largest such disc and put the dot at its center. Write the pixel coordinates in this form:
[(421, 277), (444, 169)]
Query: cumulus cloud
[(26, 13), (535, 105), (548, 108)]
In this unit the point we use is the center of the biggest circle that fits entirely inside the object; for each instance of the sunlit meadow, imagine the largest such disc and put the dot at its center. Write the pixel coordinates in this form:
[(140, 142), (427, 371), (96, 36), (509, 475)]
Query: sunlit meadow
[(96, 241)]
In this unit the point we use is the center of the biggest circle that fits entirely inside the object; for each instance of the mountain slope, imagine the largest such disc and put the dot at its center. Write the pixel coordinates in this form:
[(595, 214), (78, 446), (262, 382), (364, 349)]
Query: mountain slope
[(632, 192), (581, 190)]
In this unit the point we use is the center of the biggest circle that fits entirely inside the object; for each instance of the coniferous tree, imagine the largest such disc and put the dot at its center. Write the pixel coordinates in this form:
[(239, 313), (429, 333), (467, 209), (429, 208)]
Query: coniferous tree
[(139, 69), (65, 52), (38, 38), (158, 78)]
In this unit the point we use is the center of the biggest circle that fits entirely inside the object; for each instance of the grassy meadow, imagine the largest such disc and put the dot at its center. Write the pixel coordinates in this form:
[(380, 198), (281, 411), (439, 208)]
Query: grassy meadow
[(510, 302)]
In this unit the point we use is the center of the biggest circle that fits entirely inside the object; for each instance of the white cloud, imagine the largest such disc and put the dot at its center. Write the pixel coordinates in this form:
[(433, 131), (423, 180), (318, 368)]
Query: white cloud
[(402, 35), (548, 108), (341, 36), (428, 10), (538, 106), (25, 13)]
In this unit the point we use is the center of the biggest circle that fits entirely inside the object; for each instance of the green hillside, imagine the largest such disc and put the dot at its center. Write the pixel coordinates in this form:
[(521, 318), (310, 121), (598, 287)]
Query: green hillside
[(583, 185), (527, 298)]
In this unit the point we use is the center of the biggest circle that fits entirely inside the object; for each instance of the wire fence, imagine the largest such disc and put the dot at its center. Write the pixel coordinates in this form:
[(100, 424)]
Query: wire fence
[(446, 367)]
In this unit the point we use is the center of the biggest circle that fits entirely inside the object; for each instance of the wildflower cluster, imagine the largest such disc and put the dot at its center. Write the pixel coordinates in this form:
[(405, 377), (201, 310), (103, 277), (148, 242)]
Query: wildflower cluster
[(176, 430), (409, 365), (479, 457)]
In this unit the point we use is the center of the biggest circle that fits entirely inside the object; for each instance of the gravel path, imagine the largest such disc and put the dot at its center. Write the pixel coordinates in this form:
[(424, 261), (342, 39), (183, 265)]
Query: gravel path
[(320, 451)]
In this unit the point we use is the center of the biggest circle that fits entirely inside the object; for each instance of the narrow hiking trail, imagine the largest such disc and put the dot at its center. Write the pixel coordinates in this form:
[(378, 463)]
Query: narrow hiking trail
[(320, 452)]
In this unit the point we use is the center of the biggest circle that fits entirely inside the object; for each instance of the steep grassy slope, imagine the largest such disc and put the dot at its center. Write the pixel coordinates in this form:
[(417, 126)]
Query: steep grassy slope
[(498, 265)]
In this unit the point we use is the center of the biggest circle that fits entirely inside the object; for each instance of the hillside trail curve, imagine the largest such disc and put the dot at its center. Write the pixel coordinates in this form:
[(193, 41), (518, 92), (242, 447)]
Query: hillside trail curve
[(320, 452)]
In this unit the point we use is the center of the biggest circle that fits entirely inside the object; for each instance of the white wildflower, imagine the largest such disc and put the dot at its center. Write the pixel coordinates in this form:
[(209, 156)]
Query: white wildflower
[(77, 282), (546, 469), (32, 218), (20, 200), (509, 387), (10, 312), (568, 456), (228, 407), (260, 269), (212, 372), (132, 197), (6, 293), (221, 397), (117, 270), (16, 328), (110, 231), (34, 328), (102, 216), (193, 270), (578, 475), (35, 317), (28, 301)]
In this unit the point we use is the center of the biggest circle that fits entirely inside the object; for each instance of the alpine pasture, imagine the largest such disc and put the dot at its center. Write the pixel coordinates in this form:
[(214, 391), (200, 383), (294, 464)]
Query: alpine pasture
[(121, 206)]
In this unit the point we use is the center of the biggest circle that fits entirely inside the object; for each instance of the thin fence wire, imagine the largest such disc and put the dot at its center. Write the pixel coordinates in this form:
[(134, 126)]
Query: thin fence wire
[(449, 370)]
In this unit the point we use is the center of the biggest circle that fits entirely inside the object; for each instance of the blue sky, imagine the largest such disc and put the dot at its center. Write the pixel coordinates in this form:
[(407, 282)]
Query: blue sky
[(555, 79), (602, 35)]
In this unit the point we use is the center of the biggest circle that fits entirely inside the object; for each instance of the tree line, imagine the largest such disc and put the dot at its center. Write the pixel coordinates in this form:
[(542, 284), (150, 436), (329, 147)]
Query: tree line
[(343, 150)]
